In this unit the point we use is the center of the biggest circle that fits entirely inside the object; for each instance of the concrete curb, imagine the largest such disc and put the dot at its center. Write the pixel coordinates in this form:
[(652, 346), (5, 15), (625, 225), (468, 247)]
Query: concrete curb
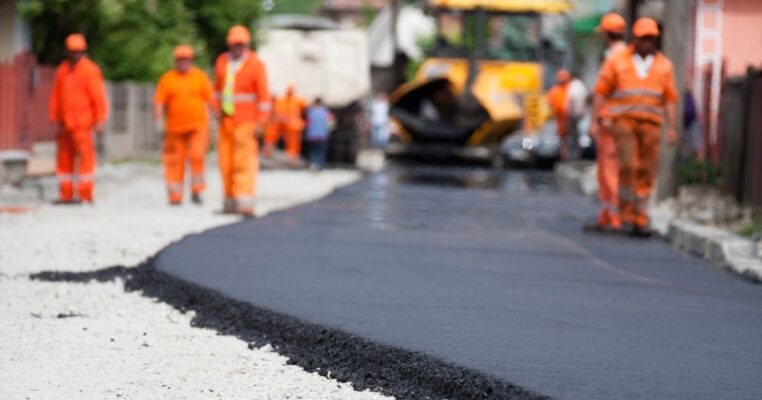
[(723, 248)]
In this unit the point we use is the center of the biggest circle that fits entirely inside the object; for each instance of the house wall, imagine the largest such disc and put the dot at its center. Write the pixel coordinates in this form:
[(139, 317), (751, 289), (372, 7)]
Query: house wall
[(741, 35)]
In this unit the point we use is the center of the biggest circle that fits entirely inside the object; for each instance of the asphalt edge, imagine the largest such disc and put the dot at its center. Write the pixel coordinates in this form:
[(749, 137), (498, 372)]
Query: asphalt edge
[(722, 248), (329, 352)]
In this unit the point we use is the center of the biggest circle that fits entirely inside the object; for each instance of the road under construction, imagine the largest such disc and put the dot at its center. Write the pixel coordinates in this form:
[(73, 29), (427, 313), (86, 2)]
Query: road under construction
[(461, 282)]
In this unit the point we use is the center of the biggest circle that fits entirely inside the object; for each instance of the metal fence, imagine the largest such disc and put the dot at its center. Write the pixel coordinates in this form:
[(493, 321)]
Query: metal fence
[(25, 89), (130, 129), (741, 137)]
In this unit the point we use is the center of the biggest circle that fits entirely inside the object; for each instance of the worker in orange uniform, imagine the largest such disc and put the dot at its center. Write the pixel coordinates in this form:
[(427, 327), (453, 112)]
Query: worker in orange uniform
[(183, 96), (638, 88), (271, 135), (289, 121), (559, 105), (243, 103), (612, 29), (78, 106)]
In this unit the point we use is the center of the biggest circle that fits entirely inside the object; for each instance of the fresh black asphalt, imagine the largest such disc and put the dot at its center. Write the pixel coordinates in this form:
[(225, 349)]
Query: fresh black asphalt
[(491, 272)]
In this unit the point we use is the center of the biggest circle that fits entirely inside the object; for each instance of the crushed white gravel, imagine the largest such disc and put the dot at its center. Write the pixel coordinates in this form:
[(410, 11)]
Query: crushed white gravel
[(96, 341)]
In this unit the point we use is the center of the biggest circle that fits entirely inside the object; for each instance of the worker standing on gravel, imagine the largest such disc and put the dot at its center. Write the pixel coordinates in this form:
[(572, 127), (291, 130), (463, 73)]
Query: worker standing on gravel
[(638, 88), (243, 103), (78, 106), (289, 121), (612, 29), (183, 96)]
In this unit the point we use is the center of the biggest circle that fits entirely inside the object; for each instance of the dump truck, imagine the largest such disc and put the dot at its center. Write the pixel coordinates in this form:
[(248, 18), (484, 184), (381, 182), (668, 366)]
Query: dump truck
[(322, 60), (490, 65)]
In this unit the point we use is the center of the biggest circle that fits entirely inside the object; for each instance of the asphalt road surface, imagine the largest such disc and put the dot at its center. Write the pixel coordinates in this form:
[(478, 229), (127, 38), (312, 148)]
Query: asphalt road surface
[(490, 271)]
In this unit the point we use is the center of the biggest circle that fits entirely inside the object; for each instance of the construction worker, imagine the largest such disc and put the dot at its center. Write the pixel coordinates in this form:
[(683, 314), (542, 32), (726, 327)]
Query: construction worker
[(289, 122), (638, 88), (183, 96), (78, 106), (559, 102), (243, 103), (612, 29), (271, 134)]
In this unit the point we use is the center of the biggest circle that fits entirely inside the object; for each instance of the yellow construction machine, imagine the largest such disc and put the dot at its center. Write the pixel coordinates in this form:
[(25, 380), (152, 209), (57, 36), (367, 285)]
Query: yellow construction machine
[(489, 66)]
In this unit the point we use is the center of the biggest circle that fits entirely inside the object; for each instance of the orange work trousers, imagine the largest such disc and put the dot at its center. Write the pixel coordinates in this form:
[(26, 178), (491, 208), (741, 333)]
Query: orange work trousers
[(608, 179), (180, 148), (75, 147), (292, 138), (239, 162), (637, 145)]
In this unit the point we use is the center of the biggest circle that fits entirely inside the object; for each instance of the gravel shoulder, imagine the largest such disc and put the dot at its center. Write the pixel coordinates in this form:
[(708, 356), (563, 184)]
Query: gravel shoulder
[(94, 340)]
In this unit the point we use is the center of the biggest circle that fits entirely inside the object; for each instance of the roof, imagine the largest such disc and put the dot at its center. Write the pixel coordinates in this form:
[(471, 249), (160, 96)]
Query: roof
[(540, 6)]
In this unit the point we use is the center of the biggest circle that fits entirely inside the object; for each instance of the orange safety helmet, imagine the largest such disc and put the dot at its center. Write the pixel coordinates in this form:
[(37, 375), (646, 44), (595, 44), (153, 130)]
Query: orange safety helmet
[(645, 27), (612, 22), (238, 34), (563, 76), (76, 42), (183, 51)]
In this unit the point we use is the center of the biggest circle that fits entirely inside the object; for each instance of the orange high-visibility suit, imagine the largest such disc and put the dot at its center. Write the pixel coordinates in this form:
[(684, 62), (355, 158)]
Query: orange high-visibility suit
[(78, 104), (608, 164), (185, 97), (558, 101), (289, 123), (237, 146), (636, 106)]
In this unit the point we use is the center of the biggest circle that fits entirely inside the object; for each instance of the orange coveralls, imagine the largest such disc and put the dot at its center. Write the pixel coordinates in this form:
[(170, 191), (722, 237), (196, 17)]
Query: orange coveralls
[(78, 104), (288, 123), (558, 101), (608, 164), (185, 98), (637, 108), (237, 146)]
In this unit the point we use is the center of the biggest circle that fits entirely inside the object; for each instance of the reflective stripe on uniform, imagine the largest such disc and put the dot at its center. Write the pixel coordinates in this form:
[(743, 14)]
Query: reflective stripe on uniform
[(238, 97), (620, 94), (197, 179), (264, 106), (85, 177), (173, 188), (625, 108), (64, 177)]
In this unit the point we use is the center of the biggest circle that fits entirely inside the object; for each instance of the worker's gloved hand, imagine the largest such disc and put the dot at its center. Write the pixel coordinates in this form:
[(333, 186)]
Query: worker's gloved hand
[(258, 131), (158, 125), (593, 130), (671, 135), (99, 128)]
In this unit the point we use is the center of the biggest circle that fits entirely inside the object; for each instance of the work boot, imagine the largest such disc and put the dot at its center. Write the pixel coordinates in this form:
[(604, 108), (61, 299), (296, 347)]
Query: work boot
[(641, 232), (196, 199), (247, 213), (70, 202), (228, 206), (175, 203)]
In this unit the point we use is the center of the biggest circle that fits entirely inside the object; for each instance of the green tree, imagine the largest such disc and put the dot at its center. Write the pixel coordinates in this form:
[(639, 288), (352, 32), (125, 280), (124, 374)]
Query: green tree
[(133, 39), (214, 18)]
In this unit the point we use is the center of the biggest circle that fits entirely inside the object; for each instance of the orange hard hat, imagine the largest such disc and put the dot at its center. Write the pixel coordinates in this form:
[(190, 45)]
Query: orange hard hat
[(238, 34), (76, 42), (183, 51), (563, 76), (645, 27), (612, 22)]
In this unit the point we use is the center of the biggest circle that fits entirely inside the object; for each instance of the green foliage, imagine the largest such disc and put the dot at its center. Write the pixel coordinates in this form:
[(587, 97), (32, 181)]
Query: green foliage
[(295, 6), (700, 172), (133, 39)]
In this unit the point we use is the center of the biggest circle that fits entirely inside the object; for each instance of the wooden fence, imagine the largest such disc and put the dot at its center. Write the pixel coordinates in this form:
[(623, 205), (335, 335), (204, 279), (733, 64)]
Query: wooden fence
[(741, 137)]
